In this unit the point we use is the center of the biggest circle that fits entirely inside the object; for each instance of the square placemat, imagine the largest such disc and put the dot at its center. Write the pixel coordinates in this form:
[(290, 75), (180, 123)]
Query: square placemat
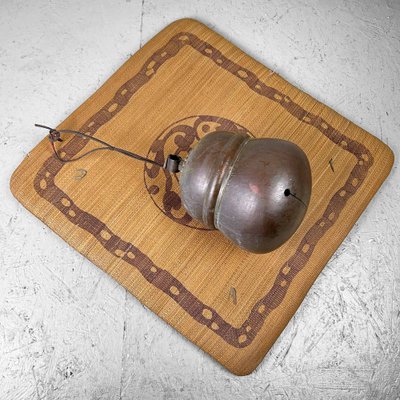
[(127, 217)]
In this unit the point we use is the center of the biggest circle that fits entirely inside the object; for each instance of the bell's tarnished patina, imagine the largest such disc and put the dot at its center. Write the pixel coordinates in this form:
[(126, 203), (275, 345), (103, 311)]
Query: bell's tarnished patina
[(255, 191)]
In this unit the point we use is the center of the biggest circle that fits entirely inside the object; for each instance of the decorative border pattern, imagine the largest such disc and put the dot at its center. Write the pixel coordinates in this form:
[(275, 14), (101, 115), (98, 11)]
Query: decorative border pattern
[(242, 336)]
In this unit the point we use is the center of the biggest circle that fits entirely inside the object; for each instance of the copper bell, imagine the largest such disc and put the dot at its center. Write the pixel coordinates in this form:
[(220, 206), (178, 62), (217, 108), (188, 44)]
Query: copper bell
[(255, 191)]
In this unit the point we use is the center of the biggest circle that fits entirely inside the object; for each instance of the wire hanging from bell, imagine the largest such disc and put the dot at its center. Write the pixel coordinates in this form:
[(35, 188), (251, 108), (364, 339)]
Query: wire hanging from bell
[(171, 163)]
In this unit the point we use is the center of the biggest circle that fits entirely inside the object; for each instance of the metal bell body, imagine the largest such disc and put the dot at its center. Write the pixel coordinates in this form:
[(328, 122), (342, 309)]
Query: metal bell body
[(255, 191)]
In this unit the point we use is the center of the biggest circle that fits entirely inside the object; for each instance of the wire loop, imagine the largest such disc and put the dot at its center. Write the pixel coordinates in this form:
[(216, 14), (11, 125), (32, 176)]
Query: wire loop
[(55, 136)]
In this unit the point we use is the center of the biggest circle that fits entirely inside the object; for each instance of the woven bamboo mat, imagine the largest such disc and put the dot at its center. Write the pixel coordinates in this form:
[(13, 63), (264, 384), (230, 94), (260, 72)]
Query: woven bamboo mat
[(126, 217)]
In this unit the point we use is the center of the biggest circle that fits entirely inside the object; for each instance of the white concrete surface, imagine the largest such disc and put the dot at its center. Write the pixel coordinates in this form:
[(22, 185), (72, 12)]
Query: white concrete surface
[(67, 331)]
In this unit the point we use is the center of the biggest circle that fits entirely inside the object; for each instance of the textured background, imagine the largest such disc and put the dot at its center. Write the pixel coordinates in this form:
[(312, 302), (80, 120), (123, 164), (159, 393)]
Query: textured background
[(68, 331)]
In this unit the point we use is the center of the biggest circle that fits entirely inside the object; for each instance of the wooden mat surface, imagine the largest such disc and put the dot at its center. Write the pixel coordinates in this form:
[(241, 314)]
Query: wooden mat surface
[(126, 217)]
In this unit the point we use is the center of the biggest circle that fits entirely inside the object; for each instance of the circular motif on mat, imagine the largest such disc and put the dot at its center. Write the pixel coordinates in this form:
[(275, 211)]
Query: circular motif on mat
[(179, 138)]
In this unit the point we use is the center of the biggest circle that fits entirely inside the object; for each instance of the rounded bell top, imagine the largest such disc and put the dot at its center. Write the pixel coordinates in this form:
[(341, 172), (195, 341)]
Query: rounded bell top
[(255, 191)]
